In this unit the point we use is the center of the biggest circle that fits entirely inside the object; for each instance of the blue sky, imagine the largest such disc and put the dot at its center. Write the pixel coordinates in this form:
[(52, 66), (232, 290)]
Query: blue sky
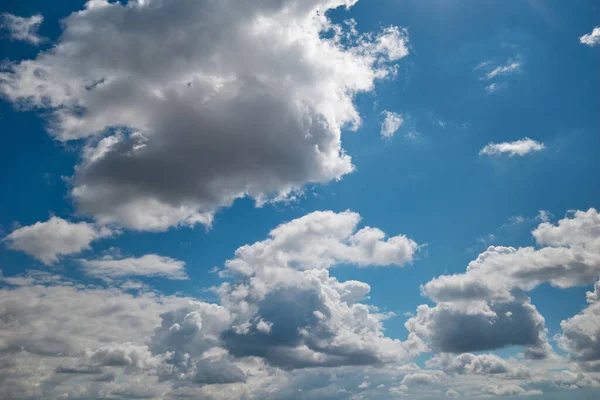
[(521, 77)]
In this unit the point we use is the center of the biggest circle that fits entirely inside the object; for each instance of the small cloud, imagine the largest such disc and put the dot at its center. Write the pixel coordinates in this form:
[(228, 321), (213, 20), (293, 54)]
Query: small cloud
[(517, 219), (503, 70), (391, 123), (591, 39), (494, 87), (412, 135), (22, 28), (516, 148), (544, 215)]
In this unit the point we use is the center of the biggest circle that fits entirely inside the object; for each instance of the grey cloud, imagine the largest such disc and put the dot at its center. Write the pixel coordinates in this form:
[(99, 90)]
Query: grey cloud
[(22, 28), (186, 106), (48, 241), (581, 333), (486, 307), (148, 265), (452, 329)]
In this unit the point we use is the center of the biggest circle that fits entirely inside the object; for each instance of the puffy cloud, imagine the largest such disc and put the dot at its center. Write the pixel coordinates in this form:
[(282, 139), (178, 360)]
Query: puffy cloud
[(147, 265), (422, 378), (452, 393), (486, 308), (581, 334), (23, 28), (313, 319), (571, 257), (48, 241), (391, 124), (480, 364), (448, 327), (591, 39), (320, 240), (516, 148), (509, 390), (189, 105), (573, 380)]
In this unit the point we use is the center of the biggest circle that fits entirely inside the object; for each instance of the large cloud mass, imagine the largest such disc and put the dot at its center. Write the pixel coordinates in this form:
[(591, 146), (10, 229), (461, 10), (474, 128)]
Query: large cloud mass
[(486, 307), (188, 105)]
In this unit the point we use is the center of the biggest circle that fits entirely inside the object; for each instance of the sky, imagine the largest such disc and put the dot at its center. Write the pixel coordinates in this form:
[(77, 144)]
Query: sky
[(317, 199)]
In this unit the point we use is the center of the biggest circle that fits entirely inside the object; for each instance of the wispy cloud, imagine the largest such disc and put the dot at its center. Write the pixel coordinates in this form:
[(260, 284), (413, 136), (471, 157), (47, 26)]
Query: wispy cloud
[(516, 148), (503, 70), (23, 28)]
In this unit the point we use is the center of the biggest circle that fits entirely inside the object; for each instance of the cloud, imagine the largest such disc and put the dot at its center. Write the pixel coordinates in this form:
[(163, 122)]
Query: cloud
[(581, 334), (281, 312), (313, 319), (23, 28), (480, 364), (48, 241), (185, 106), (509, 68), (422, 378), (494, 87), (486, 307), (509, 390), (147, 265), (452, 393), (283, 328), (516, 148), (591, 39), (323, 239), (390, 124)]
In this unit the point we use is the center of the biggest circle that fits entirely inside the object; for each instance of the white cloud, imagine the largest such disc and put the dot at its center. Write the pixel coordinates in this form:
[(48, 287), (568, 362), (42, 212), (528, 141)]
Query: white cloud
[(391, 124), (509, 390), (516, 148), (147, 265), (186, 106), (581, 334), (422, 378), (509, 68), (48, 241), (320, 240), (23, 28), (494, 87), (479, 364), (486, 307), (452, 393), (591, 39)]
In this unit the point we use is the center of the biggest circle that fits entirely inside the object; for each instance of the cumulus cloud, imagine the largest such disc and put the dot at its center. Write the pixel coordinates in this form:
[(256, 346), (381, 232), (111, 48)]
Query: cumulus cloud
[(486, 307), (422, 378), (581, 334), (452, 393), (509, 390), (591, 39), (479, 364), (48, 241), (186, 106), (391, 123), (282, 311), (516, 148), (147, 265), (323, 239), (22, 28)]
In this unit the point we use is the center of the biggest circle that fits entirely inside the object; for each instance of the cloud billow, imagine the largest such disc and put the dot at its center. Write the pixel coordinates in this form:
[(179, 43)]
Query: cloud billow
[(186, 106)]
